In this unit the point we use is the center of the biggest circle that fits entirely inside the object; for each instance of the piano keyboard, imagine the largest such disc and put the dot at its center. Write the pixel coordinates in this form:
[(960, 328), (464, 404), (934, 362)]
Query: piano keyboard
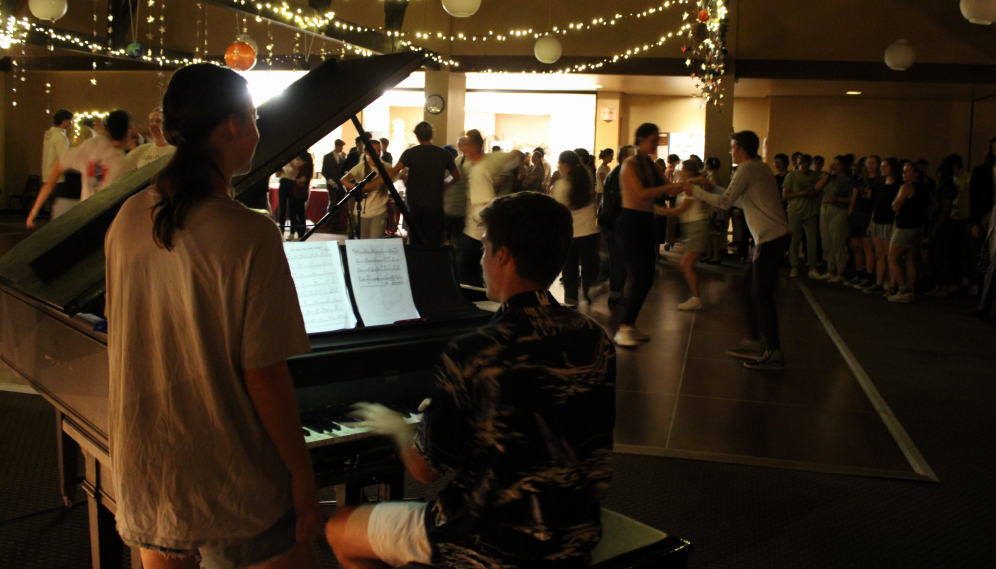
[(335, 432)]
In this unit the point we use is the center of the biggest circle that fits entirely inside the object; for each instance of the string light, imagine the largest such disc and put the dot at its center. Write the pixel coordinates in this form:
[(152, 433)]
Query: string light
[(536, 34), (706, 50), (78, 117)]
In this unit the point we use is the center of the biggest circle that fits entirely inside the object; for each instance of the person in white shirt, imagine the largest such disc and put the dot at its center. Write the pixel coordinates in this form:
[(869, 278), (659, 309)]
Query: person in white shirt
[(575, 190), (210, 468), (485, 172), (56, 144), (693, 225), (754, 190), (373, 207), (158, 148), (606, 157), (100, 160)]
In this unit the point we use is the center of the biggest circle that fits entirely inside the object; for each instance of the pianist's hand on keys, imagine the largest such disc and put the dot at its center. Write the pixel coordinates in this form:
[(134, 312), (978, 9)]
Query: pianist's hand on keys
[(322, 431)]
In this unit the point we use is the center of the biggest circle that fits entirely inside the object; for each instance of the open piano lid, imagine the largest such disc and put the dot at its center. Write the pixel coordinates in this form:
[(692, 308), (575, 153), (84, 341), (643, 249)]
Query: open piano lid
[(62, 264)]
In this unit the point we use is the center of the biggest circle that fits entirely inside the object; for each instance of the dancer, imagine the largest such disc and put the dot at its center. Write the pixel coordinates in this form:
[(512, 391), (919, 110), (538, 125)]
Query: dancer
[(694, 229), (642, 181), (753, 188)]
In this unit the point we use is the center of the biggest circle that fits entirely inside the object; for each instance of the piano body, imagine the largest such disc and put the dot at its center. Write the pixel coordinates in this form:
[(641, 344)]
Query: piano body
[(52, 284)]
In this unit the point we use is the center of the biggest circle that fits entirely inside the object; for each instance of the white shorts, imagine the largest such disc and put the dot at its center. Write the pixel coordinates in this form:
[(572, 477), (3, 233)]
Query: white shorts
[(396, 532)]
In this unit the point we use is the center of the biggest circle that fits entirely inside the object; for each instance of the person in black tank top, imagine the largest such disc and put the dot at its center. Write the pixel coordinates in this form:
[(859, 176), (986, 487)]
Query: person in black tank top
[(883, 217), (913, 205)]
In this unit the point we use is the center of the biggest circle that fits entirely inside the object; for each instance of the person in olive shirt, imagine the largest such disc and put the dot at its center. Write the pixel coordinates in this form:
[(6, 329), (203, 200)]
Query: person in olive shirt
[(837, 188), (427, 167), (799, 190)]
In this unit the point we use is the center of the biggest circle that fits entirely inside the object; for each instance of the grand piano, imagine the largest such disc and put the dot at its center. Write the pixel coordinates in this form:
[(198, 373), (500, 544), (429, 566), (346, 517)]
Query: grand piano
[(51, 298)]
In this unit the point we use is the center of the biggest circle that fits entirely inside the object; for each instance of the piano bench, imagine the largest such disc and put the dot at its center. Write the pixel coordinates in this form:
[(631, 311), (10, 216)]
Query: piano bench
[(628, 544)]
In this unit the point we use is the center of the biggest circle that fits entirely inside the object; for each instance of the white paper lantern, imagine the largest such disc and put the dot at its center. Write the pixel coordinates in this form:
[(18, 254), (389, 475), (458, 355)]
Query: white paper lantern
[(461, 8), (548, 49), (979, 11), (48, 9), (900, 56)]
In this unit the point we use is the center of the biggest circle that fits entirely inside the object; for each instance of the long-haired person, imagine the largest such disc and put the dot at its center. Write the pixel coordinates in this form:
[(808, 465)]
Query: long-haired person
[(574, 189), (373, 207), (913, 205), (205, 437), (883, 219), (693, 225), (641, 181), (859, 214)]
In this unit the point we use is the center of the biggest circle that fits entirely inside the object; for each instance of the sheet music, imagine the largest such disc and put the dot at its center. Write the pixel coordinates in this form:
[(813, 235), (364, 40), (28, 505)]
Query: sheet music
[(321, 286), (379, 275)]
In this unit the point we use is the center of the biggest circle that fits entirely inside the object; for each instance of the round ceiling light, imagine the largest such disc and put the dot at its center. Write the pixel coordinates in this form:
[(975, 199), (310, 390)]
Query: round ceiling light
[(50, 10), (461, 8), (548, 49), (979, 11), (900, 56)]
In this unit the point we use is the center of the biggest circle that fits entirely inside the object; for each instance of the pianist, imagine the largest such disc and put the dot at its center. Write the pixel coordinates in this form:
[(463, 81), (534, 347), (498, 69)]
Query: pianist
[(205, 438), (520, 418)]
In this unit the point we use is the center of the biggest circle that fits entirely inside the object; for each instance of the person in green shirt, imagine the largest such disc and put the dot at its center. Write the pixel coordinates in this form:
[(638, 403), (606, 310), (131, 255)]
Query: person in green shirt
[(799, 190)]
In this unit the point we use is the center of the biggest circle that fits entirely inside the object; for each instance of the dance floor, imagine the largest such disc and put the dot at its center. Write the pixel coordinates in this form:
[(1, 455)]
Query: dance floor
[(680, 395)]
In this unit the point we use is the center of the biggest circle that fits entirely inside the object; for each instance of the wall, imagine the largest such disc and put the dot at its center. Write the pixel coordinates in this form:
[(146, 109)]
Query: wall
[(670, 114), (530, 130), (607, 133), (888, 127), (135, 91), (750, 113)]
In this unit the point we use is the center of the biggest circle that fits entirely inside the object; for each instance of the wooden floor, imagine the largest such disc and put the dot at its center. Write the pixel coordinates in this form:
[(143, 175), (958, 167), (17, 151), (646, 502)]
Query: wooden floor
[(680, 395)]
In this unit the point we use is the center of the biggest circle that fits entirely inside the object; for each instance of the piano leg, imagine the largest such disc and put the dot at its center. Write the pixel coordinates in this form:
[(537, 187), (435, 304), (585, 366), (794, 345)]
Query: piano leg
[(392, 489), (106, 547), (349, 494), (68, 453)]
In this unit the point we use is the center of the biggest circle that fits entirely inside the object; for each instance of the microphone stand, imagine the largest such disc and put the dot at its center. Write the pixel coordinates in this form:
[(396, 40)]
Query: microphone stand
[(356, 191)]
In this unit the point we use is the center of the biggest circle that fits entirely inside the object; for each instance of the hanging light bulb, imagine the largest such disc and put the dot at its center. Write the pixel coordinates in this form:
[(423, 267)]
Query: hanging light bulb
[(461, 8), (48, 9), (981, 12), (548, 49), (900, 56)]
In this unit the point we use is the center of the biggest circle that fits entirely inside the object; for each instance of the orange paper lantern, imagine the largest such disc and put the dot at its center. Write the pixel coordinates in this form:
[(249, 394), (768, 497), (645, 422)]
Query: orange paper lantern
[(704, 16), (240, 56)]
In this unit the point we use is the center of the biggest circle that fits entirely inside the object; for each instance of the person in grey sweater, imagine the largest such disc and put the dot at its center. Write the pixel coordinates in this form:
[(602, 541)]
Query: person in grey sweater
[(754, 189)]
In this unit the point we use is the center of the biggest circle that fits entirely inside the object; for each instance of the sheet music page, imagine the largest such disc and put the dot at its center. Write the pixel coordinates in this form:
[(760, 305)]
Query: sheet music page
[(379, 275), (321, 286)]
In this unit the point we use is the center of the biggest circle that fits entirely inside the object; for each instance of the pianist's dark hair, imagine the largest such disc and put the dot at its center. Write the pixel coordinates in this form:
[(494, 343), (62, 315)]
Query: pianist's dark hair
[(537, 230), (198, 98)]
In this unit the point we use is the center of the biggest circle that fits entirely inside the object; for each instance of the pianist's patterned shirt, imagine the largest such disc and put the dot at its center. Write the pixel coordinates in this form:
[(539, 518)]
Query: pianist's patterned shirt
[(521, 416)]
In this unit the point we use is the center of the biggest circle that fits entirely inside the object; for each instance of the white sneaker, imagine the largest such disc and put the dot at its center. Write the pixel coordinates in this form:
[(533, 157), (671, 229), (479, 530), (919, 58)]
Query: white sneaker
[(813, 274), (629, 337), (795, 273), (835, 280), (824, 277), (694, 303), (901, 297)]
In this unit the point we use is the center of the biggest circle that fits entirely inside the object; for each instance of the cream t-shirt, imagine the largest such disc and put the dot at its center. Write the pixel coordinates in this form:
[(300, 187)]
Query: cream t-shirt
[(481, 188), (56, 144), (585, 222), (148, 153), (193, 463), (374, 202)]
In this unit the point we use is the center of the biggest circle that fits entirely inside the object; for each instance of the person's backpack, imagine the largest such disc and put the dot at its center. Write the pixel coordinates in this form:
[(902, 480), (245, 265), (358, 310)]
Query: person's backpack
[(611, 205)]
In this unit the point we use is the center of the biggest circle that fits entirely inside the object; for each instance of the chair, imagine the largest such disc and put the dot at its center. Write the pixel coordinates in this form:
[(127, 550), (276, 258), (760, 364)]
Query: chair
[(628, 544), (27, 197)]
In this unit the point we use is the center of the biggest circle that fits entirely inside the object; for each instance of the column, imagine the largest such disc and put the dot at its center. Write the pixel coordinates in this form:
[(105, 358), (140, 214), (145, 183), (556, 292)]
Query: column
[(607, 120), (719, 120), (452, 87)]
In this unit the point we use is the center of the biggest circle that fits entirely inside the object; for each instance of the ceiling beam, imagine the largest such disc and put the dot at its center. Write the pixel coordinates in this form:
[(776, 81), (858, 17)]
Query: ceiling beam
[(77, 42), (956, 73), (528, 64)]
